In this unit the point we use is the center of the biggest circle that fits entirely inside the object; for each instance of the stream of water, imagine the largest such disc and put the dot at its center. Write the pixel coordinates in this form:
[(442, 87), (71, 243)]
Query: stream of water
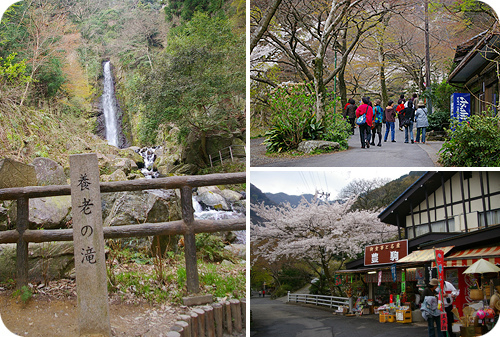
[(109, 106)]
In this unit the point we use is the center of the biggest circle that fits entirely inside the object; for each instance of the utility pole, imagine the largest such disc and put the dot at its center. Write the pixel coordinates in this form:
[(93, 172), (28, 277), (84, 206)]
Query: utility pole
[(427, 58)]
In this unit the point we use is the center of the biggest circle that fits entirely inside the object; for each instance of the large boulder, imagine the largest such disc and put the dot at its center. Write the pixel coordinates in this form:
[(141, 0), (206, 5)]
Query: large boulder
[(186, 169), (48, 172), (230, 195), (50, 259), (47, 213), (3, 218), (131, 153), (124, 164), (213, 200), (129, 208), (16, 174), (117, 175), (309, 146), (238, 250)]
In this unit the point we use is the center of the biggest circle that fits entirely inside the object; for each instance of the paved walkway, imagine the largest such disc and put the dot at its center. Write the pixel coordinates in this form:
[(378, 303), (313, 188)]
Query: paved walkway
[(272, 318), (390, 154)]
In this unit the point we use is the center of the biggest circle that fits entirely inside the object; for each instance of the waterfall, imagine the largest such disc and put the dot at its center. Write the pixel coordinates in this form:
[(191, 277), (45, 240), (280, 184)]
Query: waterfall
[(109, 106), (149, 155)]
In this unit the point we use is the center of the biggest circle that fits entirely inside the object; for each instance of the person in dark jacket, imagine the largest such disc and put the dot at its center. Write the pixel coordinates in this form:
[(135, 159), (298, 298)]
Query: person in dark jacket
[(350, 113), (390, 121), (408, 118)]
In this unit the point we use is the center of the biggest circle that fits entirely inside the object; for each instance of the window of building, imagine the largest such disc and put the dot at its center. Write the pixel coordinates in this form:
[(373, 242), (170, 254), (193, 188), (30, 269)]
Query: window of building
[(493, 218)]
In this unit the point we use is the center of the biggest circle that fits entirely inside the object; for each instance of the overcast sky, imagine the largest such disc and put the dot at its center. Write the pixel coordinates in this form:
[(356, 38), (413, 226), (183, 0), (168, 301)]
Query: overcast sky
[(308, 181)]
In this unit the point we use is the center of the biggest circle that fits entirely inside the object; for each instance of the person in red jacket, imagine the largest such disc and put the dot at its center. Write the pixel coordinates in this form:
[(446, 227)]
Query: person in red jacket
[(365, 128)]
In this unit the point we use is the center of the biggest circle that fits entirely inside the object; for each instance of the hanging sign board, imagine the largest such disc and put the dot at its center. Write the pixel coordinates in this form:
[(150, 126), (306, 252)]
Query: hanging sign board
[(460, 106), (385, 253)]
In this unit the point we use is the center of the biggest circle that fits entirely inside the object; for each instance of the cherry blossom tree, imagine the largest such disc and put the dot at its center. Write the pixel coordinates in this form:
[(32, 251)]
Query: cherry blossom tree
[(324, 235)]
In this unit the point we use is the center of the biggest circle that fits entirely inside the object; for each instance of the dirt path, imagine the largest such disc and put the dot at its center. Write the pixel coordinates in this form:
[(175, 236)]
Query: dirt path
[(45, 316)]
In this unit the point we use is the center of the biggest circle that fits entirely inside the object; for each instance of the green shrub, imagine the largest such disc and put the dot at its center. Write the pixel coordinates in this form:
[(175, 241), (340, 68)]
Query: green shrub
[(294, 120), (337, 129), (292, 111), (475, 142), (210, 247), (438, 120)]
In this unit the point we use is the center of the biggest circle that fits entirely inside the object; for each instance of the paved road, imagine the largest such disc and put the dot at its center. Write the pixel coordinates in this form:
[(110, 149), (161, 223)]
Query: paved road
[(390, 154), (272, 318)]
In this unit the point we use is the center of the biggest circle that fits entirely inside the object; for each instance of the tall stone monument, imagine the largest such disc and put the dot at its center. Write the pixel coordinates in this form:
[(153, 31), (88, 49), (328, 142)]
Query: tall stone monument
[(90, 263)]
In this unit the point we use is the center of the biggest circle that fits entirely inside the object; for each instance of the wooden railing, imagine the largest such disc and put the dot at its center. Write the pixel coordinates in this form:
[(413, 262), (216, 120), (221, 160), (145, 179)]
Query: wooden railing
[(224, 154), (188, 226), (327, 301)]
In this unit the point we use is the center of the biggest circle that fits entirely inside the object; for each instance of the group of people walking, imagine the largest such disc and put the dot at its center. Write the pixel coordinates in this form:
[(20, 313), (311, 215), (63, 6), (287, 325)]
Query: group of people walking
[(371, 116)]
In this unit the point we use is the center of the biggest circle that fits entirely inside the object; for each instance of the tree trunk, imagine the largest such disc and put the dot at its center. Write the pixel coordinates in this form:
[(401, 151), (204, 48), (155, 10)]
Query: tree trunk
[(381, 60), (266, 19), (319, 88), (203, 146), (342, 88)]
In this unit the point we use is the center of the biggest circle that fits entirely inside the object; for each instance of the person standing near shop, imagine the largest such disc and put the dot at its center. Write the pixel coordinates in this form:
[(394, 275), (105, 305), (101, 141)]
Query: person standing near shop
[(429, 308), (449, 296)]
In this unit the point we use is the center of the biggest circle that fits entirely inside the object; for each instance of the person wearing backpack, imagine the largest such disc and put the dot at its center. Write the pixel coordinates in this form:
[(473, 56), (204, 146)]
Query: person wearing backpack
[(429, 309), (350, 113), (421, 122), (365, 123), (378, 116)]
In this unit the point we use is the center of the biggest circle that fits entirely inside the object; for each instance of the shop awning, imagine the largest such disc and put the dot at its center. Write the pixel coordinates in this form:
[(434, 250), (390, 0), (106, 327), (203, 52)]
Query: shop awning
[(424, 255), (467, 257)]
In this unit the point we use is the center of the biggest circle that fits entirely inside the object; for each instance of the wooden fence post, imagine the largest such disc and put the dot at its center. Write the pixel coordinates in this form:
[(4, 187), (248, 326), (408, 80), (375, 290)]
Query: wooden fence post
[(22, 246), (236, 314), (209, 321), (219, 325), (243, 302), (228, 320), (192, 280), (194, 324), (201, 321)]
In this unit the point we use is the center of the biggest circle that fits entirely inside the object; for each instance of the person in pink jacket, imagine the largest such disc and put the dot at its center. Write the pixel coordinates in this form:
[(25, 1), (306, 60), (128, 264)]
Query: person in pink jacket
[(365, 128)]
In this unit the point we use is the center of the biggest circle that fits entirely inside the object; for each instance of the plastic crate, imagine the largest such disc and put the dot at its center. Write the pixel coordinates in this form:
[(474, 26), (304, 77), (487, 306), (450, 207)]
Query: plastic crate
[(382, 317), (403, 316)]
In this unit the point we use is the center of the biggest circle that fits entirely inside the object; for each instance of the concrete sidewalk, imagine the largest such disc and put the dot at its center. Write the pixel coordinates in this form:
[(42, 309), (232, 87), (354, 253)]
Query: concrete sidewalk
[(390, 154), (272, 318)]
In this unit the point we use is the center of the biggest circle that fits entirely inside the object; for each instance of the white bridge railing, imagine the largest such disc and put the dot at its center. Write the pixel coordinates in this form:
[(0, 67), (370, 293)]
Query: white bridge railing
[(327, 301)]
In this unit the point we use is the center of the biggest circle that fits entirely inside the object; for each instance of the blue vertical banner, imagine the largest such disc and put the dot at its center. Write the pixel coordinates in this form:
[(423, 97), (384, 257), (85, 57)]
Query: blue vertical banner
[(393, 272), (460, 106)]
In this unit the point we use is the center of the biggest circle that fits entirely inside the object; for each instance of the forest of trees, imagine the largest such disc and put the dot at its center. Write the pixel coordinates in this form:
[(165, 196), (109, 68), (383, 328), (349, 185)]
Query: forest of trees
[(177, 65), (291, 244), (356, 48)]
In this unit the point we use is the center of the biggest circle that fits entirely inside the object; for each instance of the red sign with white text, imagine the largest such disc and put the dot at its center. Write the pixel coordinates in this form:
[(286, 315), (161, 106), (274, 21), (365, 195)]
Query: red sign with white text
[(384, 253)]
